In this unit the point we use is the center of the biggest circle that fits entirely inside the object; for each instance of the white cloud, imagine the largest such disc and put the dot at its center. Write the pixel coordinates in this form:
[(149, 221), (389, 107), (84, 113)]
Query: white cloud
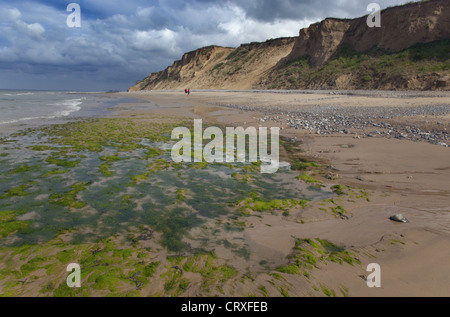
[(243, 29), (122, 41), (14, 16), (155, 40), (34, 29)]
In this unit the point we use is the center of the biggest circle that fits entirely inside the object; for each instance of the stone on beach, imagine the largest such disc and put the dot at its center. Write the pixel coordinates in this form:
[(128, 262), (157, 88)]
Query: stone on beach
[(399, 218)]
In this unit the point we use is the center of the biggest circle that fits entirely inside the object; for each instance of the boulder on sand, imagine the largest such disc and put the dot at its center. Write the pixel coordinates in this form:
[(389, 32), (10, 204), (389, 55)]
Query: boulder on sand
[(399, 218)]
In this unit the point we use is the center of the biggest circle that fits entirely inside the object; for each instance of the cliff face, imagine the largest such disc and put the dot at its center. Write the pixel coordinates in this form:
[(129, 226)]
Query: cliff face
[(411, 50), (220, 67), (401, 27), (185, 72)]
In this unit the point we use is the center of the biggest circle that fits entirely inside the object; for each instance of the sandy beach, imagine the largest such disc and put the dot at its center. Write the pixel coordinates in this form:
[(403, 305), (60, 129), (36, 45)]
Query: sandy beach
[(400, 176), (105, 193), (217, 156)]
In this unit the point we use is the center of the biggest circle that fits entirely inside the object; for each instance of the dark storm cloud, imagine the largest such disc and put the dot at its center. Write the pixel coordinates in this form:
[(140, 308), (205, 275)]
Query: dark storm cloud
[(270, 10), (120, 42)]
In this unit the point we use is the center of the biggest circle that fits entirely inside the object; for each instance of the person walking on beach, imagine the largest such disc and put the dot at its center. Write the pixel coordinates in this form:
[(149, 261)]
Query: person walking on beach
[(185, 91), (189, 91)]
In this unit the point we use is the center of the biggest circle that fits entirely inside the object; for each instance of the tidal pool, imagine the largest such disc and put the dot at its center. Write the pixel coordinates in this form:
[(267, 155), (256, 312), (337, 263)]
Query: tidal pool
[(80, 195), (91, 180)]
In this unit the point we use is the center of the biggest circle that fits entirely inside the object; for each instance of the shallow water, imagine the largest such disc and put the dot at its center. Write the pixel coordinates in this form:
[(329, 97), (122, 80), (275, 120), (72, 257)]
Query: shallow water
[(172, 200), (21, 109)]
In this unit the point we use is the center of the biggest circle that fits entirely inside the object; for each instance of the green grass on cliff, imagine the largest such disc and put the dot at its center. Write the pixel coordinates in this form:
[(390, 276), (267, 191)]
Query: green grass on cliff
[(376, 68)]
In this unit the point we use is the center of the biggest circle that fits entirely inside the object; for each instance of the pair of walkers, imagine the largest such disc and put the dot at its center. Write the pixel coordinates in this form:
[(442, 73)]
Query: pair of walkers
[(187, 91)]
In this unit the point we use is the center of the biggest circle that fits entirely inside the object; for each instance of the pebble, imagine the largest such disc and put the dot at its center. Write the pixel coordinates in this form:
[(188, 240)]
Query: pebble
[(399, 218), (327, 120), (332, 176)]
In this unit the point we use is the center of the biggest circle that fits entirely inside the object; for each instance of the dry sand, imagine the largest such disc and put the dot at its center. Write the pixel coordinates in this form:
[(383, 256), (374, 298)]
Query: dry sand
[(401, 176)]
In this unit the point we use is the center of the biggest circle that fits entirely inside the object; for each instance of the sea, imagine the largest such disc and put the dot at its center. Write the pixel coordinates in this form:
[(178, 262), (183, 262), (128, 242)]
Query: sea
[(29, 108)]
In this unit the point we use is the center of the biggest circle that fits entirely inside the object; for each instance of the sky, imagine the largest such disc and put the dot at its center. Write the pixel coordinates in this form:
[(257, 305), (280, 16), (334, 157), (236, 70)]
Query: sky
[(121, 42)]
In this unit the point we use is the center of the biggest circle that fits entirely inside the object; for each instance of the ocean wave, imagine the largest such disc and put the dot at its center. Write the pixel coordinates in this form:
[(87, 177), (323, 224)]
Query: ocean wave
[(69, 106), (18, 94), (69, 102), (27, 119)]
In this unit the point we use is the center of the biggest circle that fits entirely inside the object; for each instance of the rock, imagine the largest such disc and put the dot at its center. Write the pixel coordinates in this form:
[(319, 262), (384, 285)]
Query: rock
[(399, 218), (441, 83), (332, 176)]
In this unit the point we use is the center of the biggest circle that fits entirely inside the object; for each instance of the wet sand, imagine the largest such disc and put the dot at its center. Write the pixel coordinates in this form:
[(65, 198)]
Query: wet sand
[(399, 176)]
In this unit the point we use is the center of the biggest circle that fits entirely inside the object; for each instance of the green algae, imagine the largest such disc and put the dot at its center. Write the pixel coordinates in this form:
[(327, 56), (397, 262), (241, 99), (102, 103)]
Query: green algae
[(338, 189), (327, 292), (111, 158), (7, 215), (65, 256), (242, 177), (252, 167), (235, 225), (110, 280), (32, 265), (284, 293), (153, 152), (18, 191), (308, 253), (54, 172), (303, 165), (61, 162), (152, 168), (9, 225), (174, 225), (254, 203), (94, 134), (21, 169), (338, 210), (69, 199), (41, 148), (308, 178), (102, 269), (13, 227), (104, 169), (206, 265), (181, 195), (170, 198), (175, 285), (150, 269)]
